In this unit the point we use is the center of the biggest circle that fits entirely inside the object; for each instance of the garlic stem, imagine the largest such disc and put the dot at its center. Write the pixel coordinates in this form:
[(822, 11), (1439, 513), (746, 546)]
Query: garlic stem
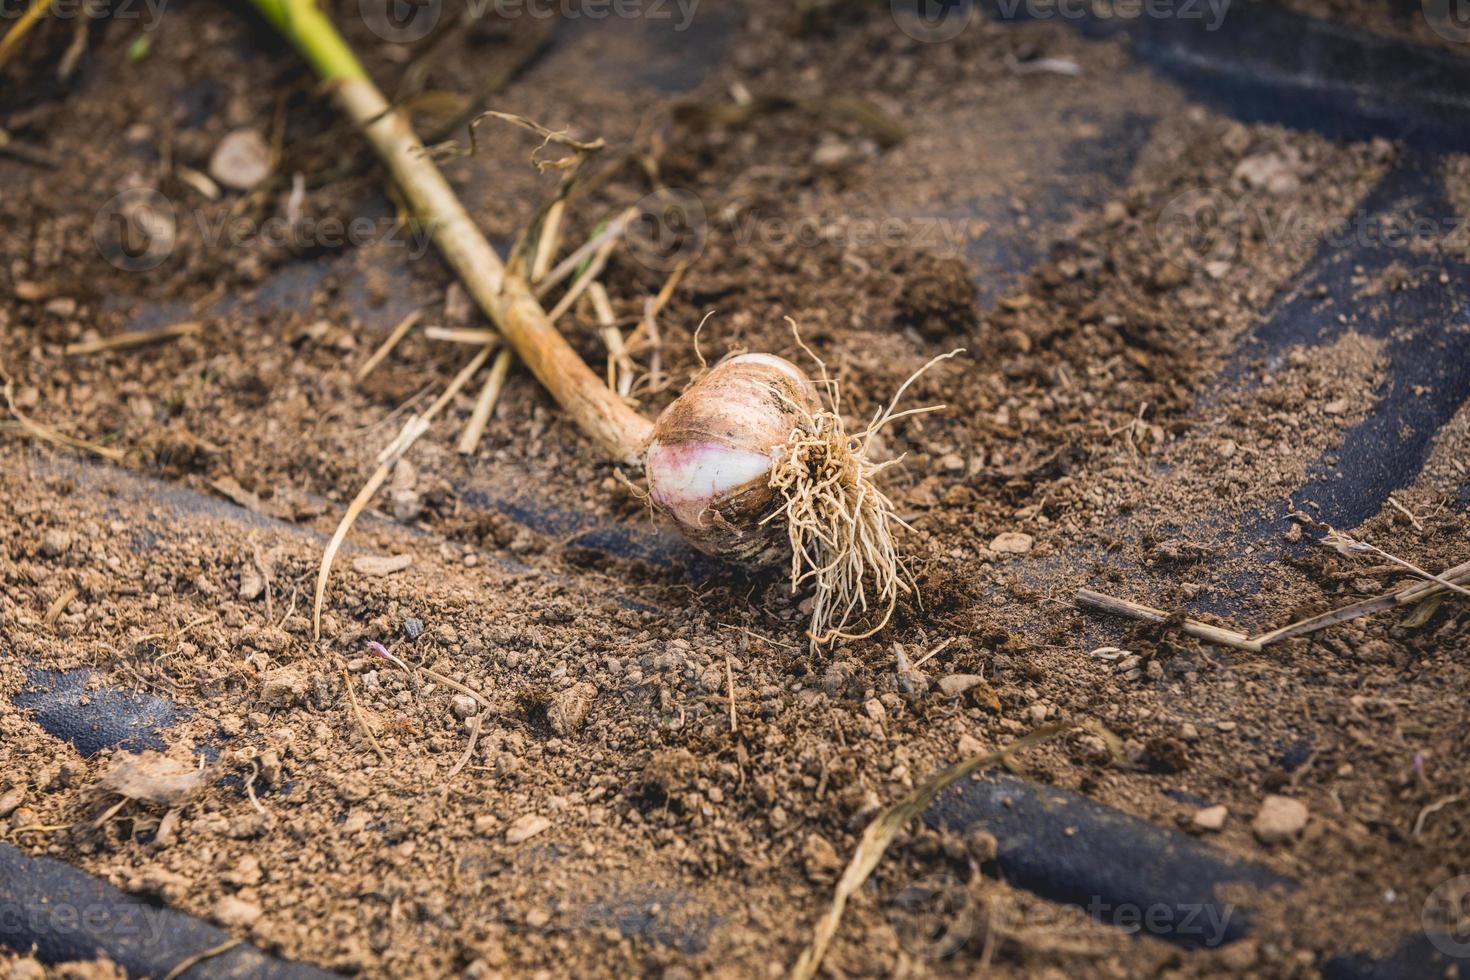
[(504, 296)]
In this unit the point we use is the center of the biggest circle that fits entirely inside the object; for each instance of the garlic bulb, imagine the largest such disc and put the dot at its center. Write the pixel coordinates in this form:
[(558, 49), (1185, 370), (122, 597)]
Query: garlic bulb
[(709, 462), (751, 465)]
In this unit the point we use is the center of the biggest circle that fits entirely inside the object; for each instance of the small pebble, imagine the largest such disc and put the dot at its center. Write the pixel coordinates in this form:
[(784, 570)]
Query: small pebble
[(1012, 543), (27, 969), (380, 565), (1279, 820), (55, 542), (525, 827), (11, 800), (464, 706), (820, 858), (954, 685), (241, 160), (62, 306), (235, 913), (1211, 817), (983, 845)]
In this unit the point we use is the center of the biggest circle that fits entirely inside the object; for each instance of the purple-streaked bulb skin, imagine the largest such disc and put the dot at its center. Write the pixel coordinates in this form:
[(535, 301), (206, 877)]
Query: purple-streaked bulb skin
[(709, 462)]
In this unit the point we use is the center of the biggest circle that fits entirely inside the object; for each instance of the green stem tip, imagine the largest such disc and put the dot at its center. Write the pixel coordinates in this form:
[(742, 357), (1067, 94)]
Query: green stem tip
[(303, 23)]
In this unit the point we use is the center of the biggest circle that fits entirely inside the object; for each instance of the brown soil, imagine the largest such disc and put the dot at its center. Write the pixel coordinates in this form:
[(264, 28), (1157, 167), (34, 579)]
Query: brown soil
[(1076, 418)]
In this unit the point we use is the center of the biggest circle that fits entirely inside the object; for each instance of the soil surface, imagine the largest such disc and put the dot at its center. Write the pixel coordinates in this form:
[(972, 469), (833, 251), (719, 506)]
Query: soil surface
[(586, 752)]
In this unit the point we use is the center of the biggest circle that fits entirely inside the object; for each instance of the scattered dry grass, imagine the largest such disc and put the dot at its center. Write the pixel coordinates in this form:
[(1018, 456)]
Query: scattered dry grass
[(887, 825)]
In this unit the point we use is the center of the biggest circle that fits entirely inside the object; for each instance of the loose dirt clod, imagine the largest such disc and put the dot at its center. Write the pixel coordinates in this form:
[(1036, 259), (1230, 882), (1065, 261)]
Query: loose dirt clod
[(152, 777)]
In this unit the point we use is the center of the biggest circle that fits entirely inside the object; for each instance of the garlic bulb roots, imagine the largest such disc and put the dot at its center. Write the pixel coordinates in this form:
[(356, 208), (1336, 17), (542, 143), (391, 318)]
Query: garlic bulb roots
[(748, 452)]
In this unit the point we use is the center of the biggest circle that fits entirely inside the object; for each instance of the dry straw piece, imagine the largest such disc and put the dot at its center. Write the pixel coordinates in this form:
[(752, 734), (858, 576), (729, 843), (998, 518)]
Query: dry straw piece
[(887, 825)]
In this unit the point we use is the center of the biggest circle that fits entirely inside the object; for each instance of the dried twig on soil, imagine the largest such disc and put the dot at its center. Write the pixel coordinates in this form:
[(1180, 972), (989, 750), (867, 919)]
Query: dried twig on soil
[(586, 277), (462, 335), (469, 750), (361, 719), (1431, 808), (386, 347), (469, 440), (58, 606), (1345, 544), (134, 338), (610, 232), (1418, 526), (730, 687), (250, 788), (651, 309), (11, 42), (887, 825), (1088, 599), (416, 426), (449, 682), (578, 147), (549, 240), (48, 434), (1450, 579), (620, 368), (930, 655), (189, 962)]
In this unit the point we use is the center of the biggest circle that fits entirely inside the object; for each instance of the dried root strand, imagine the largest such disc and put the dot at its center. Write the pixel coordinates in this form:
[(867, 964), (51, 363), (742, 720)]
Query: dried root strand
[(840, 525)]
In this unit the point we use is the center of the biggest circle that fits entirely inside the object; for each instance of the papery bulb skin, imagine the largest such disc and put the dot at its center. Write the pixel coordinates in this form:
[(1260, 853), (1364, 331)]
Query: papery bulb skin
[(709, 462)]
